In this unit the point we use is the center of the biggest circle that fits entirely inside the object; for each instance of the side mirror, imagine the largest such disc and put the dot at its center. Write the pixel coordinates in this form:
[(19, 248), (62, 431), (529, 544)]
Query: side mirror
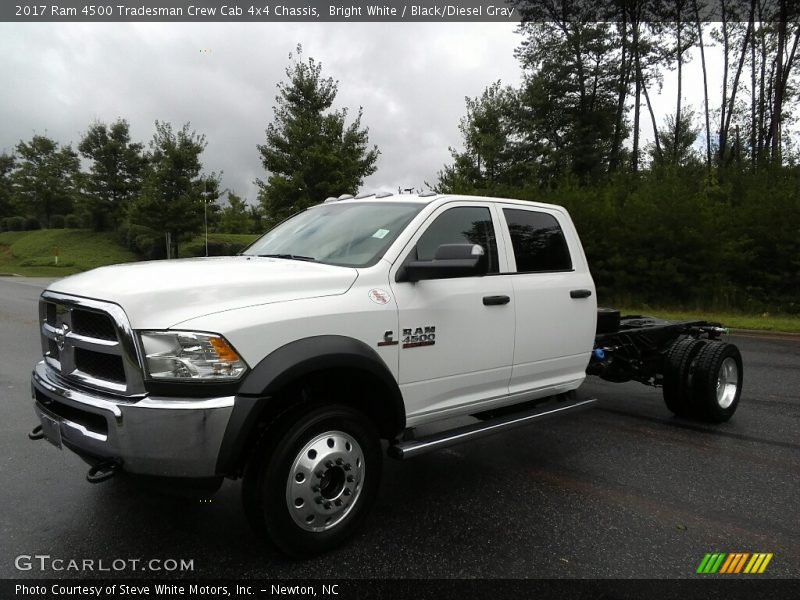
[(450, 260)]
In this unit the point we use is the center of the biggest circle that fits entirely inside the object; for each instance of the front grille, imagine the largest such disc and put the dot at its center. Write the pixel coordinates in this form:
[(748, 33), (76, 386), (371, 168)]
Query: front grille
[(93, 325), (51, 313), (90, 343), (100, 365)]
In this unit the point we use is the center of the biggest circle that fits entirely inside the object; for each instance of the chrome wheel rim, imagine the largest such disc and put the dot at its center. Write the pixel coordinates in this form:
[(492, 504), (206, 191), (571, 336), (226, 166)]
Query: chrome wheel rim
[(727, 382), (325, 481)]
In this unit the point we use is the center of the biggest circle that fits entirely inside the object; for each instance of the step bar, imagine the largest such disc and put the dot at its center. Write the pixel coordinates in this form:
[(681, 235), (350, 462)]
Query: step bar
[(411, 448)]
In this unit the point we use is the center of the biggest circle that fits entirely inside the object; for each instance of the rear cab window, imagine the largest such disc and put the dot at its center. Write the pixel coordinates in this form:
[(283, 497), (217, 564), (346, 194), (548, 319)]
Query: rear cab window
[(537, 241)]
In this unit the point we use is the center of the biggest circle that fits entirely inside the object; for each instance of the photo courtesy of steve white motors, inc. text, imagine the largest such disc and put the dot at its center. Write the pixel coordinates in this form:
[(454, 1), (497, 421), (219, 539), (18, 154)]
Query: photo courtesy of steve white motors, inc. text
[(172, 589)]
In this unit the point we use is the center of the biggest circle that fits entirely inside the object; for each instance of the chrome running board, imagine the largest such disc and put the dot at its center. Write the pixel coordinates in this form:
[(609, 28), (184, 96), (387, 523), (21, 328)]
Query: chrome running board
[(411, 448)]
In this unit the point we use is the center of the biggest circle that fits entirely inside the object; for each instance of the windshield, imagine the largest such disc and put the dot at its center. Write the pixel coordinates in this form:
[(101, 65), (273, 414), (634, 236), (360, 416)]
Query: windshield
[(348, 235)]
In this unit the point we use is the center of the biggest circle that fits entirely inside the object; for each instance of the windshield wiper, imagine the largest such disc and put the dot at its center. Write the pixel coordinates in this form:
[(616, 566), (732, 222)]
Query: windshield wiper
[(289, 257)]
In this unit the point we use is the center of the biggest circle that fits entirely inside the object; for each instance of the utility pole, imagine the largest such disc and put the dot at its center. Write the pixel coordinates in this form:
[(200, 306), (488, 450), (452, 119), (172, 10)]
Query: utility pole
[(205, 213)]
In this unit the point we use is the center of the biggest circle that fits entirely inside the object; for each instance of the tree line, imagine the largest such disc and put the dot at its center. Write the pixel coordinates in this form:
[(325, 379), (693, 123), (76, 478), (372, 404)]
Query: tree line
[(144, 192), (707, 215)]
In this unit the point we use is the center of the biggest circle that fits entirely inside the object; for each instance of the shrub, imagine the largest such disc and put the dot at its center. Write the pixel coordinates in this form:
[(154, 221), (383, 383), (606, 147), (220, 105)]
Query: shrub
[(72, 222), (149, 246), (215, 248), (16, 223), (57, 222)]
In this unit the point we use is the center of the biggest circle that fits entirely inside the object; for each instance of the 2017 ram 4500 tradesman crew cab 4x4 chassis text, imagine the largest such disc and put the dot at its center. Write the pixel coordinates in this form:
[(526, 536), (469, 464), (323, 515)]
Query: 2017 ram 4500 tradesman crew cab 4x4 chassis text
[(357, 320)]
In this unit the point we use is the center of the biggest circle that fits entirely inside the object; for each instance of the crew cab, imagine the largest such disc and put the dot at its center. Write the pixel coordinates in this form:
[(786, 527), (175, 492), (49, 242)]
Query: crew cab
[(333, 339)]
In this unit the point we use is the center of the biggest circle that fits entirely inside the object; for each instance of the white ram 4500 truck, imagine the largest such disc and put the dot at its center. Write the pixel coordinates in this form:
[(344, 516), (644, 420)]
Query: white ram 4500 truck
[(355, 321)]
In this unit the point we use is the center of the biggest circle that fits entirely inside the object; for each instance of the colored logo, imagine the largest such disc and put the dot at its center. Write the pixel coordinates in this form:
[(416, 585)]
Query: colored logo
[(379, 296), (734, 563)]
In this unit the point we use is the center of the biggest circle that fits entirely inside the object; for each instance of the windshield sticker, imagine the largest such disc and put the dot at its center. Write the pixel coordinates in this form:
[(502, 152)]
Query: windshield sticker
[(381, 233), (379, 296)]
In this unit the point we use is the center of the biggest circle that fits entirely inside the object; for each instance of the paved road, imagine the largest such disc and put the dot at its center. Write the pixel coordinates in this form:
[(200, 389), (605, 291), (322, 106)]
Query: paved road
[(623, 490)]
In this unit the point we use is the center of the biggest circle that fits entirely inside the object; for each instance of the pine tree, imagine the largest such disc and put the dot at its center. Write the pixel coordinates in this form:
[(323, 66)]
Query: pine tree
[(47, 178), (174, 188), (7, 204), (235, 217), (310, 153), (116, 171)]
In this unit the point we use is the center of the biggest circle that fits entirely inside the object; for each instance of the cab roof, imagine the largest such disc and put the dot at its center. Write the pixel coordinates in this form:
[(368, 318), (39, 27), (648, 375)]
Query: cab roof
[(431, 197)]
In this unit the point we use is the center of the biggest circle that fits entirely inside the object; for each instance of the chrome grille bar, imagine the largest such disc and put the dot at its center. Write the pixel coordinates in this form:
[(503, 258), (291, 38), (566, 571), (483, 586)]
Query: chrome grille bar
[(59, 312)]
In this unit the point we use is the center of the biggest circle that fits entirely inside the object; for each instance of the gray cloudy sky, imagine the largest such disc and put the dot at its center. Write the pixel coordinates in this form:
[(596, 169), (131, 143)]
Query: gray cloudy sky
[(410, 78)]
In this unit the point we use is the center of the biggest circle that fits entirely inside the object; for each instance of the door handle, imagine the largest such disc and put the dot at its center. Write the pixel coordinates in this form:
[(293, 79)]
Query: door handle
[(580, 293), (495, 300)]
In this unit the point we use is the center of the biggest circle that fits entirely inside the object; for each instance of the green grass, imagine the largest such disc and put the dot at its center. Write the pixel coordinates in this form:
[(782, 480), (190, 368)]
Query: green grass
[(30, 253), (763, 322)]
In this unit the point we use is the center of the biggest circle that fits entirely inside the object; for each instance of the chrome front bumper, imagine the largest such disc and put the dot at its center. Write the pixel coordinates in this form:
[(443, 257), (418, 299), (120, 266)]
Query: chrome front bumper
[(168, 437)]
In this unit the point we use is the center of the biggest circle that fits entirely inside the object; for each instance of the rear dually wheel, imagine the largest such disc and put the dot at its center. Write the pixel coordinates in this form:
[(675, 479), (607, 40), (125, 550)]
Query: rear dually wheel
[(717, 382)]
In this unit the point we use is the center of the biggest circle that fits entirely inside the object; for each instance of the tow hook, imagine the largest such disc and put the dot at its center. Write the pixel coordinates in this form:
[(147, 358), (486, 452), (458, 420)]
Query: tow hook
[(103, 471), (36, 434)]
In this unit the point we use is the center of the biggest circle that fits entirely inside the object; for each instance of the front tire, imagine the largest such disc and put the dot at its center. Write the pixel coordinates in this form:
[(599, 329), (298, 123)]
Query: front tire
[(313, 478)]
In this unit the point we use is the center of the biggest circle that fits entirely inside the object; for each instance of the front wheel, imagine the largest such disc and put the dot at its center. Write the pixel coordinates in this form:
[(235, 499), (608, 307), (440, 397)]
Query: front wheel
[(313, 478)]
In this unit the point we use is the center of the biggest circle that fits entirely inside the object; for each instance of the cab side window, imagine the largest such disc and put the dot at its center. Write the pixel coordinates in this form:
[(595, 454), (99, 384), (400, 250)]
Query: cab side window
[(538, 242), (461, 225)]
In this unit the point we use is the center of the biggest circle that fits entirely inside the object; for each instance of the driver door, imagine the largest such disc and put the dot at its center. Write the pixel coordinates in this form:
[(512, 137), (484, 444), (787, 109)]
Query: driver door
[(457, 334)]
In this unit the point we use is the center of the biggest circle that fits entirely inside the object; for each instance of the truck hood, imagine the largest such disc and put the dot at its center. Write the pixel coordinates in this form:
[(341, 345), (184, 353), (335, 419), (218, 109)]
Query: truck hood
[(161, 294)]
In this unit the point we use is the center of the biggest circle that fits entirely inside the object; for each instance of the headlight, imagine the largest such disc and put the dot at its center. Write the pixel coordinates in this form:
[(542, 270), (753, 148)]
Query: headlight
[(187, 355)]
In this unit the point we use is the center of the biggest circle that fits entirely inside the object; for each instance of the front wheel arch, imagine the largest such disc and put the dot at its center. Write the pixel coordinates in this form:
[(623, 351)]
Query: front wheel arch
[(282, 378)]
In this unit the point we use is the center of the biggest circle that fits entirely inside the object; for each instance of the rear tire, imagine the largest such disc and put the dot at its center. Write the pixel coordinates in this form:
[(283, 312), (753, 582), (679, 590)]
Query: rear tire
[(678, 365), (313, 478), (717, 382)]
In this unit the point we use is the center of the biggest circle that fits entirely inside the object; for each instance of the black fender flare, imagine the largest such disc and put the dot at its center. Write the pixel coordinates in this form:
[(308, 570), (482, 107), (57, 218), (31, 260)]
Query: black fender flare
[(291, 362)]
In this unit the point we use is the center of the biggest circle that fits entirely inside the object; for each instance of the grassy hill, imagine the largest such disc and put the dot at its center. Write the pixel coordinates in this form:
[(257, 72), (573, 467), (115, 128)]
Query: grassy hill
[(31, 252)]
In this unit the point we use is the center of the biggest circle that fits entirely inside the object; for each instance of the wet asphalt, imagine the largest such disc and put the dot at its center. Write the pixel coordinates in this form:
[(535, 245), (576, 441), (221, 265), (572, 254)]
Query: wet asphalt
[(624, 490)]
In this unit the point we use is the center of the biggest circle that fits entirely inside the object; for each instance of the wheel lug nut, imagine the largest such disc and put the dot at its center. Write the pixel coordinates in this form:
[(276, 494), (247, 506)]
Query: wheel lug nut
[(318, 500), (338, 503), (339, 461), (315, 488), (329, 463), (347, 491), (347, 467), (318, 474), (327, 505), (350, 478)]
